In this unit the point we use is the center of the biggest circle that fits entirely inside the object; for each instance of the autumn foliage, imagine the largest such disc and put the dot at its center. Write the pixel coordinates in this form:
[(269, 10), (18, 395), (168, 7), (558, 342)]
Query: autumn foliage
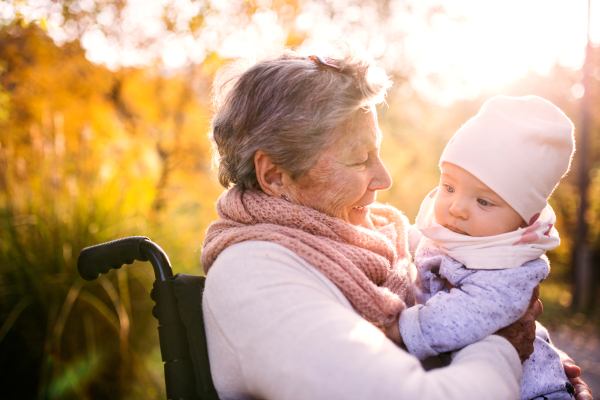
[(88, 155)]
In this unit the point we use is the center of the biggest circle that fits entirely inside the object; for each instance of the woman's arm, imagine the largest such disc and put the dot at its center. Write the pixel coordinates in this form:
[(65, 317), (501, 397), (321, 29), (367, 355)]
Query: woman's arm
[(278, 329)]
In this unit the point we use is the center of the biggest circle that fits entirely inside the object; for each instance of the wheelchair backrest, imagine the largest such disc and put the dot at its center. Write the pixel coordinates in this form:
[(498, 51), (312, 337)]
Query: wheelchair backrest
[(178, 309)]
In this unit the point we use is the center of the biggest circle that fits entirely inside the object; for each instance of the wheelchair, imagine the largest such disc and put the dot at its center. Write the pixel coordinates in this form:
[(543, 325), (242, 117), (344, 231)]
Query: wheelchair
[(178, 309)]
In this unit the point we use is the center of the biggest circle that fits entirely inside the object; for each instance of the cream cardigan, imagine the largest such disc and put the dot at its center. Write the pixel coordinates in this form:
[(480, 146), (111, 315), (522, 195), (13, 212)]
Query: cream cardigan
[(279, 329)]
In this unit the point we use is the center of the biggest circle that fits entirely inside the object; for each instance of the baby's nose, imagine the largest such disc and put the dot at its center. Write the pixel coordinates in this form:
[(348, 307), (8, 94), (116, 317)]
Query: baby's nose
[(458, 209)]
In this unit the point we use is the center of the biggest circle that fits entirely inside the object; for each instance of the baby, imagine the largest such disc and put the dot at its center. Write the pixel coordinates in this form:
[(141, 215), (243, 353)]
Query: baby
[(485, 230)]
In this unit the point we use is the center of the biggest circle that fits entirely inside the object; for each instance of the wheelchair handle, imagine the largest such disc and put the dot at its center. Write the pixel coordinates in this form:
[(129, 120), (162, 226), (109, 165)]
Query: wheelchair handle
[(101, 258)]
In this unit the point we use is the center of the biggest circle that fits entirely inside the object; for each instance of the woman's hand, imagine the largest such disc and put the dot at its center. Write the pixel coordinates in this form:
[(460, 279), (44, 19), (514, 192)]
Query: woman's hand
[(393, 332), (582, 391), (521, 333)]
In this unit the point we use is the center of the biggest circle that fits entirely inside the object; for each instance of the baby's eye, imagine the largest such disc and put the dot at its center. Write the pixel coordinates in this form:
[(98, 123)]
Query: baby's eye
[(483, 202), (449, 189)]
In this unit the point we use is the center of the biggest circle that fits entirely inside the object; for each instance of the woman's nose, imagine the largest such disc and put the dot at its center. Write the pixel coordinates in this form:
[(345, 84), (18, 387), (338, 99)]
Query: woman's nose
[(382, 179)]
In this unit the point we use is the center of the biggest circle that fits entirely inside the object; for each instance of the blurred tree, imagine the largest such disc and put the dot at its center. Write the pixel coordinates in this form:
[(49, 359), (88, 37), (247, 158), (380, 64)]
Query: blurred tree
[(583, 270), (88, 155), (182, 32)]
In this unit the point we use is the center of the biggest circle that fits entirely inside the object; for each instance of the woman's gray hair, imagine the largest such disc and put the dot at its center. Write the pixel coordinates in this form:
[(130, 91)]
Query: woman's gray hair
[(288, 106)]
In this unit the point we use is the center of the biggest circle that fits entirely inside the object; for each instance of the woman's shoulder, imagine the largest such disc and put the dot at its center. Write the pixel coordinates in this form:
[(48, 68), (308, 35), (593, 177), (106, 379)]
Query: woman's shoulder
[(257, 249), (258, 257), (252, 264)]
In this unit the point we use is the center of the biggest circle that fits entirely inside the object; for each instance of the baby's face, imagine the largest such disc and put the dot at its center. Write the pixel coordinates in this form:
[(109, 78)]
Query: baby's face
[(467, 206)]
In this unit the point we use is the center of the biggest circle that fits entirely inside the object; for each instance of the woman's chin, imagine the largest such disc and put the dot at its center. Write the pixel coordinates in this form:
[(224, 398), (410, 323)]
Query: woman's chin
[(359, 216)]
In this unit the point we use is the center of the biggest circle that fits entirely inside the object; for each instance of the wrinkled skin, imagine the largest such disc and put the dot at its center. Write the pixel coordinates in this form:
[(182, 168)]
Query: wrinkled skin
[(347, 176), (582, 391)]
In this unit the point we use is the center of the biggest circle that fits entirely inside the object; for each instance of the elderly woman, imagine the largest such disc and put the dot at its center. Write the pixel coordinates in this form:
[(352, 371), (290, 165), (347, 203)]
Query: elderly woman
[(305, 272)]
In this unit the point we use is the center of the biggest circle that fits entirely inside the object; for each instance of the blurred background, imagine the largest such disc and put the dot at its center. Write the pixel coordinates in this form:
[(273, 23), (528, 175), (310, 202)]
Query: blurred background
[(104, 115)]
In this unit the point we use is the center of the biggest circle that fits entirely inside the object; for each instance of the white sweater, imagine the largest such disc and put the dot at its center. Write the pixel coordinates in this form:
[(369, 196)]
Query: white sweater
[(279, 329)]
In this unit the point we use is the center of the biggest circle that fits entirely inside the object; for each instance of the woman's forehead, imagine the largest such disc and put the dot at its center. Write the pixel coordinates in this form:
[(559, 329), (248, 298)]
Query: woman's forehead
[(362, 130)]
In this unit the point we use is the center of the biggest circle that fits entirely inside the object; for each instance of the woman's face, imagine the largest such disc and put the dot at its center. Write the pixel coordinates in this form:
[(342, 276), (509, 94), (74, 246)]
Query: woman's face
[(348, 175)]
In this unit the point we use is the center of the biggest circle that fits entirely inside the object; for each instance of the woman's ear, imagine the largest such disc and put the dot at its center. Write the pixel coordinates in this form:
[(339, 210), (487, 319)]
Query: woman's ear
[(269, 175)]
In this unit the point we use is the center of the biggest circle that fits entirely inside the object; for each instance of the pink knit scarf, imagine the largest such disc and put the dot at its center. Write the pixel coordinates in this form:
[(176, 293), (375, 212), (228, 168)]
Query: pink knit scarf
[(370, 267)]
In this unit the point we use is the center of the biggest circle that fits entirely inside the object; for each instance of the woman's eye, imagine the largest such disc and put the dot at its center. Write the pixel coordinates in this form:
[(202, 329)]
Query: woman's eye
[(483, 202), (360, 164)]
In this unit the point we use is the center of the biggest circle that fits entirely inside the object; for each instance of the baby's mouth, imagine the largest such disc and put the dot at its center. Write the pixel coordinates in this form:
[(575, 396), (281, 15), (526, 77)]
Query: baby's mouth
[(456, 230)]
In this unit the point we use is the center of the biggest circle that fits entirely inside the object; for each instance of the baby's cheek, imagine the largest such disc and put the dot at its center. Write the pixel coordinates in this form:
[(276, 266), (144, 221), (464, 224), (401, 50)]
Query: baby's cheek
[(439, 209), (487, 226)]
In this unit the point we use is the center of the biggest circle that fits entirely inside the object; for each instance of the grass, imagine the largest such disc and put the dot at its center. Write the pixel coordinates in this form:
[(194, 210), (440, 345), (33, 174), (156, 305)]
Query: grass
[(62, 337)]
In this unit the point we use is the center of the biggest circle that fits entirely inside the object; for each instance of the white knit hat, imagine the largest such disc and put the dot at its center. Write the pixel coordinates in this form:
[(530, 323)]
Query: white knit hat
[(520, 147)]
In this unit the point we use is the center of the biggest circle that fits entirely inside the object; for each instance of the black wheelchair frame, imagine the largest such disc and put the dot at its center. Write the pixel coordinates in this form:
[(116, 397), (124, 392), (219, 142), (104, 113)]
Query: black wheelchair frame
[(178, 310)]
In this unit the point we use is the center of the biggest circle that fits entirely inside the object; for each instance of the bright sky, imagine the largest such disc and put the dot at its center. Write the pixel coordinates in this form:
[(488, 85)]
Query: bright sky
[(477, 45), (498, 42)]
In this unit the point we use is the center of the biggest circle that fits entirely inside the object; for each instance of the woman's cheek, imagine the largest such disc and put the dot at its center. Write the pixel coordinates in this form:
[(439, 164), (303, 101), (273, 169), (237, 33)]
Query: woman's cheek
[(337, 201), (324, 193)]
